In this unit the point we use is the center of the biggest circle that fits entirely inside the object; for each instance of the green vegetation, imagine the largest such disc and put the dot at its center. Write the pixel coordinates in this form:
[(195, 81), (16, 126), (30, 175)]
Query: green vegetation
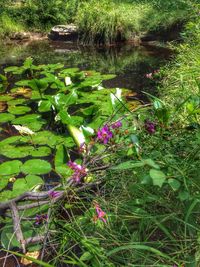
[(98, 21), (111, 185)]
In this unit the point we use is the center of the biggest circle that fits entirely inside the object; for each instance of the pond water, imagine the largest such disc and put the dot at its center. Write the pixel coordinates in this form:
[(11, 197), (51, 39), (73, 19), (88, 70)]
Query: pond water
[(130, 63), (48, 106)]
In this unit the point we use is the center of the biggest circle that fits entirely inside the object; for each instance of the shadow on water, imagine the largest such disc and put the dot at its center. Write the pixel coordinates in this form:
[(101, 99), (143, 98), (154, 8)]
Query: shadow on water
[(129, 63)]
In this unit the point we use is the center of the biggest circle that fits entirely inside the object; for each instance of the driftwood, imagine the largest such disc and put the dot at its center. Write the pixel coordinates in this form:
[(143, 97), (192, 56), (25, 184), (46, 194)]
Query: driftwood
[(39, 199)]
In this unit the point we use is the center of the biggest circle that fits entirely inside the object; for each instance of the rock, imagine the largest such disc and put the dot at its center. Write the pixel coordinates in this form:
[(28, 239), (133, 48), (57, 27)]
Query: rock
[(64, 33)]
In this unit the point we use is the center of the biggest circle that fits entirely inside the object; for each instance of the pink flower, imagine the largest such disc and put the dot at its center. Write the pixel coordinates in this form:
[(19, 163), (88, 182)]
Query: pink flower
[(150, 127), (79, 171), (104, 134), (54, 194), (40, 219), (116, 124), (100, 213), (149, 75)]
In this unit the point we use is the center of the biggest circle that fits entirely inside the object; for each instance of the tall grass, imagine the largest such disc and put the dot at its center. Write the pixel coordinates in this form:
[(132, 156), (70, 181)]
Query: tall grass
[(8, 26), (146, 225), (108, 21)]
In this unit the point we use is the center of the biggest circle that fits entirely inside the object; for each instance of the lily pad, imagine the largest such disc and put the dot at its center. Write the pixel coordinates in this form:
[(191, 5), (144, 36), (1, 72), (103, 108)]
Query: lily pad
[(10, 167), (5, 97), (26, 184), (18, 110), (36, 166), (15, 152), (6, 117), (33, 121), (41, 151), (15, 102)]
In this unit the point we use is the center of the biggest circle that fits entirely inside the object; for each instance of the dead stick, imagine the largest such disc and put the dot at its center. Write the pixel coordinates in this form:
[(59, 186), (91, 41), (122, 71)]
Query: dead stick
[(17, 227)]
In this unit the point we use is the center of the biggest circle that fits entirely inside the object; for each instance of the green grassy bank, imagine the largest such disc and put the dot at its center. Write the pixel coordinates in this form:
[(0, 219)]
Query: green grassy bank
[(98, 21), (151, 197)]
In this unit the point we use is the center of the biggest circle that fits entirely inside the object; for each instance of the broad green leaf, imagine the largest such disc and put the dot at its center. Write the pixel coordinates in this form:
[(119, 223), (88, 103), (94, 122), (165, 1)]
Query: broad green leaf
[(43, 151), (22, 185), (10, 167), (5, 97), (175, 184), (44, 106), (151, 163), (6, 117), (36, 166), (62, 156), (158, 177), (18, 110), (15, 152)]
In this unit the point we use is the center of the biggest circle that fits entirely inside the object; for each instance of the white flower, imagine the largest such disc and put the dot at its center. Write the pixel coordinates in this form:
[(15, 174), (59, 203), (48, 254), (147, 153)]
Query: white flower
[(68, 81), (23, 129)]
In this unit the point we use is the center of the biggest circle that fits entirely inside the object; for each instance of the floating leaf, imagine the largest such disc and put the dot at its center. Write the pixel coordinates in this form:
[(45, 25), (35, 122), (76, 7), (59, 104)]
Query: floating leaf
[(5, 97), (10, 167), (40, 152), (6, 117), (22, 185), (14, 152), (36, 166), (18, 110)]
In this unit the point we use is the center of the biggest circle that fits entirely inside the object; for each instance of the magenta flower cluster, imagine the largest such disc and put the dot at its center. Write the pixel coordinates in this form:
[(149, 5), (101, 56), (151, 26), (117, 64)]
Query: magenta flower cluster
[(40, 219), (54, 194), (79, 171), (150, 126), (105, 134), (150, 75), (100, 213)]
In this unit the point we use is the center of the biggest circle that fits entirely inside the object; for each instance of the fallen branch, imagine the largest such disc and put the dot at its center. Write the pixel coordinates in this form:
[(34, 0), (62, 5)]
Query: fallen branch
[(16, 225)]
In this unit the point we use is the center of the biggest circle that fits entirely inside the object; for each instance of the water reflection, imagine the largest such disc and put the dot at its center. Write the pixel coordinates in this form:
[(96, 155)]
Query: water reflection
[(128, 62)]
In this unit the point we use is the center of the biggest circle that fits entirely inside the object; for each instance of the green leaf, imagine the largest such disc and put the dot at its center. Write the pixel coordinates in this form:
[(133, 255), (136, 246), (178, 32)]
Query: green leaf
[(158, 177), (86, 256), (183, 195), (128, 165), (36, 166), (38, 85), (22, 185), (8, 240), (61, 159), (6, 117), (151, 163), (46, 138), (44, 106), (40, 152), (18, 110), (10, 167), (5, 97), (38, 262), (175, 184), (15, 152), (62, 156)]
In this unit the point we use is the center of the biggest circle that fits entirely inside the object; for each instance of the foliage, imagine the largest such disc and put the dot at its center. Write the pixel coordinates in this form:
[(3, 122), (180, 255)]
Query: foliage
[(98, 21)]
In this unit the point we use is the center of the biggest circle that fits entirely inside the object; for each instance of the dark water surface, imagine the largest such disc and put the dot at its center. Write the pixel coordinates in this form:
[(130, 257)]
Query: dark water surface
[(130, 63)]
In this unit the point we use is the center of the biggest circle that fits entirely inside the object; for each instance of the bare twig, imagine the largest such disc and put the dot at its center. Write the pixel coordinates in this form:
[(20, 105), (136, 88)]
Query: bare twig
[(17, 227)]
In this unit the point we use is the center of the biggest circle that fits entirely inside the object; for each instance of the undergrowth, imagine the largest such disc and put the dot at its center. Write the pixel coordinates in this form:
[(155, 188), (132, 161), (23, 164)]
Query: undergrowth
[(148, 223), (98, 21)]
